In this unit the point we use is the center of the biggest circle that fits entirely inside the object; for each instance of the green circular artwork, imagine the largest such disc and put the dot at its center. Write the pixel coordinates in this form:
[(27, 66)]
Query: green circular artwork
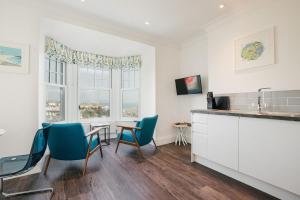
[(252, 51)]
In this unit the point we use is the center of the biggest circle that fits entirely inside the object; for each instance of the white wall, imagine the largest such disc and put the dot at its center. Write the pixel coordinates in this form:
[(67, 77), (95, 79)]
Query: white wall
[(212, 54), (19, 92), (167, 65), (20, 22), (193, 61), (284, 75)]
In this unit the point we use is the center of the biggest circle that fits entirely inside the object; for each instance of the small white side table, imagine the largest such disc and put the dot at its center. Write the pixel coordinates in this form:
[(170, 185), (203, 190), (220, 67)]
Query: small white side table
[(181, 132), (106, 127)]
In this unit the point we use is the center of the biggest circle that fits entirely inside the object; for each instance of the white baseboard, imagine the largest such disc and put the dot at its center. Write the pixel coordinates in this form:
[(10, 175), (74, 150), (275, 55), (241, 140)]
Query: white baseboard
[(168, 140), (165, 140), (260, 185)]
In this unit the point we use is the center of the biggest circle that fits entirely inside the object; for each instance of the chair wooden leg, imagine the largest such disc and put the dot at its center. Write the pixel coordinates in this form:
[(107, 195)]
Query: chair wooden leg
[(47, 164), (119, 140), (117, 146), (85, 165), (154, 144), (140, 151), (137, 144), (101, 150), (99, 140)]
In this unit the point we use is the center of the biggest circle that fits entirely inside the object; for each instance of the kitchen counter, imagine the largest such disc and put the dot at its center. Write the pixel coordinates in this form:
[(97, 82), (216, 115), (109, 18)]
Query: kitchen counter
[(252, 114)]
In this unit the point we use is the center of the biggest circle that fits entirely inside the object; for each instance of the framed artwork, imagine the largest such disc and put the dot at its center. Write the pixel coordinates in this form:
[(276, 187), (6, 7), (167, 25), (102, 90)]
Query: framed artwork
[(255, 50), (14, 57)]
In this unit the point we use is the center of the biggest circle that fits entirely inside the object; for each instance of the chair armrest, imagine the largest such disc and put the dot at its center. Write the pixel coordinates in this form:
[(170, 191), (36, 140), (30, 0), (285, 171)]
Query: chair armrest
[(129, 127), (93, 132)]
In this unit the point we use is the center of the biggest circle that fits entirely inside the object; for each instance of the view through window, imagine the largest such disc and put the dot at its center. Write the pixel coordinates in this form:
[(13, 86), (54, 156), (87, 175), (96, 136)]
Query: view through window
[(94, 92), (55, 90), (130, 93)]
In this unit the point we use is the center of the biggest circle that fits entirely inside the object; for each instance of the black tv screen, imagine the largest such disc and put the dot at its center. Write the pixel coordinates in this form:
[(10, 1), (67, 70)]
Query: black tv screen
[(189, 85)]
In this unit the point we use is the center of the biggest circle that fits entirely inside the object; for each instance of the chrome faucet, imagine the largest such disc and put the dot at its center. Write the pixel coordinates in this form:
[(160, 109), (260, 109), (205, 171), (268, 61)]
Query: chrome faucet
[(259, 98)]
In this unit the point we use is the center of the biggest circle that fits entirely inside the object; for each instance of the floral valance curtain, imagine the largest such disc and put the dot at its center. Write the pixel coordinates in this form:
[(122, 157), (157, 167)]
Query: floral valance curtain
[(60, 51)]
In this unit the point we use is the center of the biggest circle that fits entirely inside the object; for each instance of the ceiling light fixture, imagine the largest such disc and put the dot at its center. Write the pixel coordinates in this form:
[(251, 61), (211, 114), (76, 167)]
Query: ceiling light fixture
[(147, 23), (221, 6), (82, 0)]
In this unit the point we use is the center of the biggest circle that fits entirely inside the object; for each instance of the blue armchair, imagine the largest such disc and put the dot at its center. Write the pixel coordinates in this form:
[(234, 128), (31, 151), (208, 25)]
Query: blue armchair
[(140, 135), (69, 142), (17, 165)]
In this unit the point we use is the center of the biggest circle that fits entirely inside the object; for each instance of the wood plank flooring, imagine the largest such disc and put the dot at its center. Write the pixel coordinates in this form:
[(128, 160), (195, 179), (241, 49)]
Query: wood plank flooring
[(165, 174)]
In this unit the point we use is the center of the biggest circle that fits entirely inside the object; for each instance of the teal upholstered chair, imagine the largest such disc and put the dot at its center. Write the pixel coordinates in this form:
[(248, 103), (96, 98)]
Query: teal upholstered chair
[(69, 142), (139, 135)]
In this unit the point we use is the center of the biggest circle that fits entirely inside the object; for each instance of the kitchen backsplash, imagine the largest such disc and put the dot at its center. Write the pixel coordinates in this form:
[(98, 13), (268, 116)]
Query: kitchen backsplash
[(275, 101)]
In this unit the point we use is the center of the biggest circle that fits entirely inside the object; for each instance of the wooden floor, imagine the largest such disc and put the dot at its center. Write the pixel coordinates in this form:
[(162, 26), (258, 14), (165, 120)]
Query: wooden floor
[(166, 174)]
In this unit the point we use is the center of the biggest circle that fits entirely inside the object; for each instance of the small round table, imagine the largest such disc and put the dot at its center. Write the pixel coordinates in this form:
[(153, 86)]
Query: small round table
[(181, 129)]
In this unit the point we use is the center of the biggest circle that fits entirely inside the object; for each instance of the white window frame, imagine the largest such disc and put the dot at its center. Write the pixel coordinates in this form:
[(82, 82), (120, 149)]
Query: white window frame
[(60, 86), (79, 88), (129, 89)]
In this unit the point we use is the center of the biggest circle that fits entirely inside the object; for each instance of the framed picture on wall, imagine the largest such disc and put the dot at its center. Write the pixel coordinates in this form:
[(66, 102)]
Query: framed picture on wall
[(14, 57), (255, 50)]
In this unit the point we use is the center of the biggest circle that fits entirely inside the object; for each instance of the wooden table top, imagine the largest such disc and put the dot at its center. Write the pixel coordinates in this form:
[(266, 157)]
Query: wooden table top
[(182, 125)]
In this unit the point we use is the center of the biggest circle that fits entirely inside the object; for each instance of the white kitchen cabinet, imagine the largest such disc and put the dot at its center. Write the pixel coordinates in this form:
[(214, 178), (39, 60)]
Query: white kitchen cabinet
[(199, 146), (223, 140), (199, 134), (269, 150), (199, 118)]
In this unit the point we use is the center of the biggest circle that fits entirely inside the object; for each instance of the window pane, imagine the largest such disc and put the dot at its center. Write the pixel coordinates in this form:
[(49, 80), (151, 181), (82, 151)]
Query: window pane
[(130, 103), (46, 70), (59, 79), (130, 79), (52, 65), (47, 78), (60, 67), (125, 79), (52, 77), (55, 104), (94, 104), (137, 79), (102, 78), (86, 77), (126, 84)]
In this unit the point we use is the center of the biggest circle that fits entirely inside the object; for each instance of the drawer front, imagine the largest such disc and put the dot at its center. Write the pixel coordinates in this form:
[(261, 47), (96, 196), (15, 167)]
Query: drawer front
[(199, 118), (199, 144), (199, 128)]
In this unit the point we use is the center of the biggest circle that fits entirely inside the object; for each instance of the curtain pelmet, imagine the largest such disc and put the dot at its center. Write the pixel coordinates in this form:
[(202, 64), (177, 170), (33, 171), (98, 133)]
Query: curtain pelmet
[(59, 51)]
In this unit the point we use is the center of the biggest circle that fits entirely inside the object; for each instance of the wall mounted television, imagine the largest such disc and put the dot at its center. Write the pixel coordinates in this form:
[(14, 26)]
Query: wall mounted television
[(189, 85)]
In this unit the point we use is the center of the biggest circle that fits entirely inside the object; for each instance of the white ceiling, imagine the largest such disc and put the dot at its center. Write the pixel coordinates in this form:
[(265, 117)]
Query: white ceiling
[(83, 39), (174, 20)]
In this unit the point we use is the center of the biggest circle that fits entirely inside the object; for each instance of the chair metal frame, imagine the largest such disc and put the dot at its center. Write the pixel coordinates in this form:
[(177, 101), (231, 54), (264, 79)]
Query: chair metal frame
[(4, 195), (89, 153)]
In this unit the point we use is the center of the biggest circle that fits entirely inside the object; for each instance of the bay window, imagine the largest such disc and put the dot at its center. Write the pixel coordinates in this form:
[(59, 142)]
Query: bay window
[(85, 86)]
